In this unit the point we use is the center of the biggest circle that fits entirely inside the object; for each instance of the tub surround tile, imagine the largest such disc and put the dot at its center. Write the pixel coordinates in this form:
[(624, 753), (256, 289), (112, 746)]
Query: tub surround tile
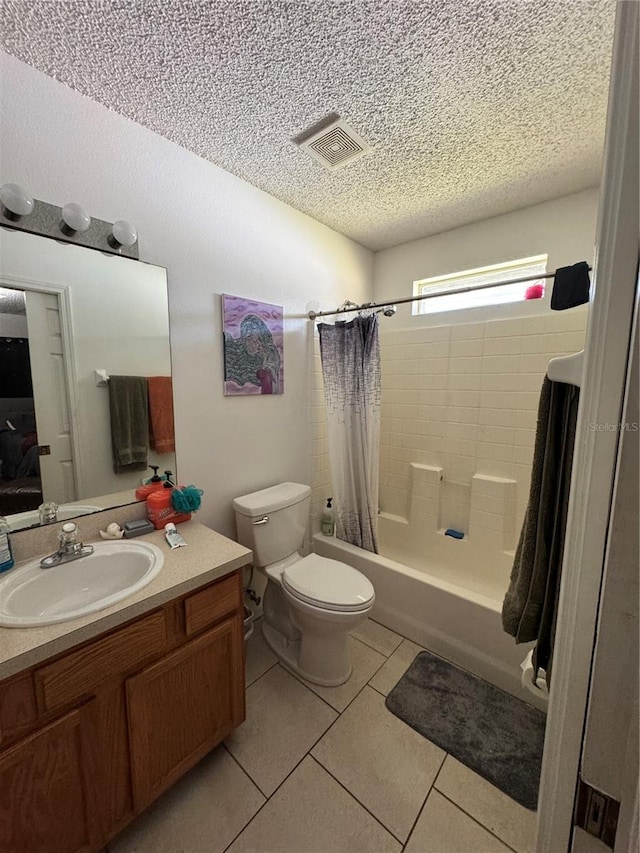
[(491, 367), (384, 763), (511, 822), (425, 491), (395, 667), (201, 814), (492, 509), (365, 662), (259, 657), (311, 812), (502, 345), (444, 828), (467, 331), (378, 637), (505, 328), (284, 720)]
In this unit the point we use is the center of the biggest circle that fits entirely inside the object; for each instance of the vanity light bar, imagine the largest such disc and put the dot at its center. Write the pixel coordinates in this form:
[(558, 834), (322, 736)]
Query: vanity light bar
[(71, 223)]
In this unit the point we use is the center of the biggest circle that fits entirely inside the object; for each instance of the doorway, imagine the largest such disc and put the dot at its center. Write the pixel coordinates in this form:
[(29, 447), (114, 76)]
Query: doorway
[(35, 436)]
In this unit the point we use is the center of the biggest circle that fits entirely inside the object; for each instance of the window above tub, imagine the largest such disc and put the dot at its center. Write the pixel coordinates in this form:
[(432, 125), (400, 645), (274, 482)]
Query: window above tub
[(475, 278)]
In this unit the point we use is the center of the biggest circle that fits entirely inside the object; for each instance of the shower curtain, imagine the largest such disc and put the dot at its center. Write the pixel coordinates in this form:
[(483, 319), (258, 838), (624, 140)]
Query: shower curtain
[(350, 354)]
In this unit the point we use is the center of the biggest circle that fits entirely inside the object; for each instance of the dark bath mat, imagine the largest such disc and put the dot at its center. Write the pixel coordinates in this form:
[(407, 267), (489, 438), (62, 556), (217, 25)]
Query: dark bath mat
[(493, 733)]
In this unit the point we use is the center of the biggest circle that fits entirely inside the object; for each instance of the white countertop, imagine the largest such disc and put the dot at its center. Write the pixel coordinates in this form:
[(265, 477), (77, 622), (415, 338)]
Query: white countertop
[(207, 557)]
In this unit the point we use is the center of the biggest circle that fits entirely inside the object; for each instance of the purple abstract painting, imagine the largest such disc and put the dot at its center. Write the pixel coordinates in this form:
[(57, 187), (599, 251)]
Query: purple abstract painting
[(253, 347)]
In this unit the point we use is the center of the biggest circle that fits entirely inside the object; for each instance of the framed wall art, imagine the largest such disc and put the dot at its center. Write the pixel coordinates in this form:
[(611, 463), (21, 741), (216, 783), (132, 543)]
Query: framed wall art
[(253, 347)]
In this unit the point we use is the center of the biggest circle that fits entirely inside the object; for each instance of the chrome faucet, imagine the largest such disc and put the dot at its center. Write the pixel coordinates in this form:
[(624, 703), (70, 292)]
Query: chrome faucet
[(48, 512), (70, 548)]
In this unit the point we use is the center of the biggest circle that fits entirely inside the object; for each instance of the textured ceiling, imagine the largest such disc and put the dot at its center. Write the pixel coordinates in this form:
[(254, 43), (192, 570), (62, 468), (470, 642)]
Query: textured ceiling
[(12, 301), (473, 107)]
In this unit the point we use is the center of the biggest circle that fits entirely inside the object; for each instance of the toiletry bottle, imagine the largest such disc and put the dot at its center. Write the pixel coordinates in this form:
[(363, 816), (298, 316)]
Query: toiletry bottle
[(155, 483), (160, 509), (6, 555), (327, 522), (173, 537)]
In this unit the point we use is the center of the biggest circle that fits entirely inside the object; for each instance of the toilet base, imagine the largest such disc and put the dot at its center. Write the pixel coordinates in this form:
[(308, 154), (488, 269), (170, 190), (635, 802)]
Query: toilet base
[(291, 654)]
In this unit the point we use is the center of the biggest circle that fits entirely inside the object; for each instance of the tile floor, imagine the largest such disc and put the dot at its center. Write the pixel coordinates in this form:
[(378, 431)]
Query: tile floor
[(330, 770)]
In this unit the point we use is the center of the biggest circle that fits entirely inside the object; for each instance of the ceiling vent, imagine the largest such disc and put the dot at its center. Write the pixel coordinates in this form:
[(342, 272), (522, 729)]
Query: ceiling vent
[(335, 145)]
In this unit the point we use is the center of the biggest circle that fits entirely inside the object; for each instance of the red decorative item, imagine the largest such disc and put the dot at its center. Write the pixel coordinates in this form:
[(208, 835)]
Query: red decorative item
[(534, 291)]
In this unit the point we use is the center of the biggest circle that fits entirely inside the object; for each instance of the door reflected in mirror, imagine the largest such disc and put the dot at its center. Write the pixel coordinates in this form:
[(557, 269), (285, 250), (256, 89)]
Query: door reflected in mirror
[(66, 312)]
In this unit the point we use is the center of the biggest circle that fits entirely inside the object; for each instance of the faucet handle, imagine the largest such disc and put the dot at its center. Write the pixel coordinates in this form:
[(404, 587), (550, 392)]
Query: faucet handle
[(48, 512), (69, 533)]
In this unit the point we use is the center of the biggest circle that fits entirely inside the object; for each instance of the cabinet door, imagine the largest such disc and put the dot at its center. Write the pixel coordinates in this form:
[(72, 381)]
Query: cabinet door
[(181, 707), (44, 807)]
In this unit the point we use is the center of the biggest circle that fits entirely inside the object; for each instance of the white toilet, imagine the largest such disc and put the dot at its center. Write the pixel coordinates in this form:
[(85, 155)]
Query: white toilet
[(310, 603)]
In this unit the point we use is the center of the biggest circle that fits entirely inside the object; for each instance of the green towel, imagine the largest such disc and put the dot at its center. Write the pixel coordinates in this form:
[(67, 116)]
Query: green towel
[(129, 411), (530, 606)]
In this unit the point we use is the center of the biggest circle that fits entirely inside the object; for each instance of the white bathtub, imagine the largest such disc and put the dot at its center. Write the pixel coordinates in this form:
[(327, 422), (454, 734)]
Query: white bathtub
[(452, 605)]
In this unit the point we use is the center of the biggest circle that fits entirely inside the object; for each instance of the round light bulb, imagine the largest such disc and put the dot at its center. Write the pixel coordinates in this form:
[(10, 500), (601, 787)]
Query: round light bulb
[(16, 200), (124, 233), (75, 218)]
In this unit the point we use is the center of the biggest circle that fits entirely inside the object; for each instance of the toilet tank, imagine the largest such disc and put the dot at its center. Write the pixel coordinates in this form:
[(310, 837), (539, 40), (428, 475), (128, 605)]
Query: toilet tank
[(286, 506)]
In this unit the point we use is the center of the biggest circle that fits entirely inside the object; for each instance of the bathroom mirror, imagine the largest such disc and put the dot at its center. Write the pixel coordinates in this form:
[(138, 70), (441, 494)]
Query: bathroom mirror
[(68, 317)]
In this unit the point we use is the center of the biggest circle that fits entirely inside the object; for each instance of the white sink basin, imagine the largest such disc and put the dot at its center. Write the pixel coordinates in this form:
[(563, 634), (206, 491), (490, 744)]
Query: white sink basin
[(31, 596)]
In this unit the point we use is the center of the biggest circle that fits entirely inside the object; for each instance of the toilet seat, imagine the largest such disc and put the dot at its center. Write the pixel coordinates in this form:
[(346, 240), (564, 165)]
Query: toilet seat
[(328, 584)]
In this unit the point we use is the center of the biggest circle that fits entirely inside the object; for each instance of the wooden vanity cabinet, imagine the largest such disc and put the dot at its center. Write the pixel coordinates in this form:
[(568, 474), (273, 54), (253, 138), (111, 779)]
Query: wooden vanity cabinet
[(180, 707), (45, 802), (89, 739)]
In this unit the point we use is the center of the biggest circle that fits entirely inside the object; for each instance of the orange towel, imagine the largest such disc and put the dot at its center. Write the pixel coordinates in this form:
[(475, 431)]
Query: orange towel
[(161, 434)]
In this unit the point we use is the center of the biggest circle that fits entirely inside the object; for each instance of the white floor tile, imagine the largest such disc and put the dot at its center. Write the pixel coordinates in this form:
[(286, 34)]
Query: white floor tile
[(284, 720), (202, 813), (510, 821), (377, 636), (365, 662), (444, 828), (312, 813), (390, 674), (383, 762)]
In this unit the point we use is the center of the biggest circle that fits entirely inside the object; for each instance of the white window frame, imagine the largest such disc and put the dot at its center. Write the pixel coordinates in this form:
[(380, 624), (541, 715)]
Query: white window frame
[(475, 278)]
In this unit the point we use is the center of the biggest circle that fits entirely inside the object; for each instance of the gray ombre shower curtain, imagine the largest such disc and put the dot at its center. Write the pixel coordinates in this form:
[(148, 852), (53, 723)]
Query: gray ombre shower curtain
[(350, 355)]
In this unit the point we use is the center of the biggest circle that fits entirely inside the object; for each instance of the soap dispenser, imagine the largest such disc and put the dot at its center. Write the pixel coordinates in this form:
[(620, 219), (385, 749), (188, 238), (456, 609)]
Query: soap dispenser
[(160, 509), (155, 483), (327, 522)]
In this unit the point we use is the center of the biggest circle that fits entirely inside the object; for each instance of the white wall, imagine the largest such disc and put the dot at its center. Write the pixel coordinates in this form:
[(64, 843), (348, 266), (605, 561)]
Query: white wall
[(564, 229), (214, 233)]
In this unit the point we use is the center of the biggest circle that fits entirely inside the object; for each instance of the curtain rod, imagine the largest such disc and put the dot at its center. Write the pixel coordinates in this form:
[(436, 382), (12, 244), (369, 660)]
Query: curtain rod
[(367, 305)]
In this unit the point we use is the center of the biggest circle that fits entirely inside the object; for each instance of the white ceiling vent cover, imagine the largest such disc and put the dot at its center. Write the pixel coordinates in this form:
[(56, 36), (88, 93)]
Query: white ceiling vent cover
[(335, 146)]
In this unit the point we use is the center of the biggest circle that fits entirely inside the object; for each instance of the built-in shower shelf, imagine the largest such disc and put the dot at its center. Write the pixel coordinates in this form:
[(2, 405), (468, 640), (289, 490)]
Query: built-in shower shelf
[(397, 519)]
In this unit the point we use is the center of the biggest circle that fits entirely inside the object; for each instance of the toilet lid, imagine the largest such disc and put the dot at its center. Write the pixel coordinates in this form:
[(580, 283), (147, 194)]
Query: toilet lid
[(328, 583)]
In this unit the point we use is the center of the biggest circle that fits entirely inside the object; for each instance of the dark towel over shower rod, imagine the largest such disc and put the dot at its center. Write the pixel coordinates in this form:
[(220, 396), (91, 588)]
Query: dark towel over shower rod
[(351, 306)]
